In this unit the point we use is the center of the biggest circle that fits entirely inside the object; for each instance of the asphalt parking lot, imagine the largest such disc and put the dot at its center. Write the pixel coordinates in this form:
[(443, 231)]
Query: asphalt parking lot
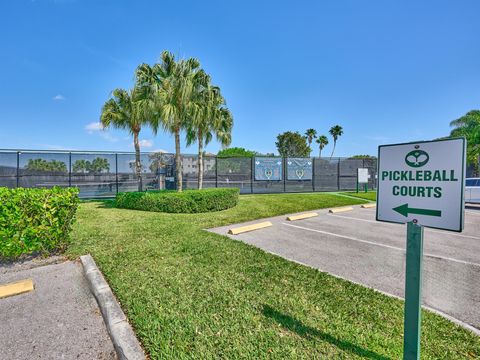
[(354, 246)]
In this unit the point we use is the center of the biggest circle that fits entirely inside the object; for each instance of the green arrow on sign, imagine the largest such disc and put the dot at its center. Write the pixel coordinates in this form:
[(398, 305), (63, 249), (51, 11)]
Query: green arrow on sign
[(405, 210)]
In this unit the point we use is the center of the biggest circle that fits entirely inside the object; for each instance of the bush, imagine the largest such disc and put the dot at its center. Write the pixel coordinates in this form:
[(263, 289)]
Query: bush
[(35, 221), (188, 201)]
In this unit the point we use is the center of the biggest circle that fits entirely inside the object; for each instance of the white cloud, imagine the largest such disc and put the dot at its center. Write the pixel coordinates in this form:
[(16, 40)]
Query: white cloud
[(94, 126), (160, 151), (58, 97), (97, 128), (146, 143)]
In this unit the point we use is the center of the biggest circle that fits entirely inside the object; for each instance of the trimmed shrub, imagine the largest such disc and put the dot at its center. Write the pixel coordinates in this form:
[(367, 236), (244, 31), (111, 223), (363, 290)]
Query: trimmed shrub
[(35, 221), (188, 201)]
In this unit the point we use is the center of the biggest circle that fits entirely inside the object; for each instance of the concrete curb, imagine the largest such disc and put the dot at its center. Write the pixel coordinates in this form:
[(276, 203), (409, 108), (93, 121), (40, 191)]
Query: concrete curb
[(121, 333)]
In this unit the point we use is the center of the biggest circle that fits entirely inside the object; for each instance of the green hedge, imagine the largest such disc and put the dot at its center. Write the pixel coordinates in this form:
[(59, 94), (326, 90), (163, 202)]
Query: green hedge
[(188, 201), (35, 221)]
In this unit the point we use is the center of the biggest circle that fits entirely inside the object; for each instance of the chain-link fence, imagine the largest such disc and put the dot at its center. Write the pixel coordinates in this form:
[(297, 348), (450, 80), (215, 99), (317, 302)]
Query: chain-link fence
[(104, 174)]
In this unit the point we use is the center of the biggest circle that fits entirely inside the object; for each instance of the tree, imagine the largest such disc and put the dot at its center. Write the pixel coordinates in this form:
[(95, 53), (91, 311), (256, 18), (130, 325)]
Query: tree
[(128, 110), (322, 141), (99, 165), (362, 157), (209, 118), (469, 126), (44, 165), (236, 152), (169, 87), (292, 144), (81, 166), (336, 131), (310, 135), (159, 160)]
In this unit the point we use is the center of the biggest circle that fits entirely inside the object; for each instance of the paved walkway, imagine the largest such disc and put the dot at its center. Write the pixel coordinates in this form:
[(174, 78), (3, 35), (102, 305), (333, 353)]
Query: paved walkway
[(60, 319), (354, 246)]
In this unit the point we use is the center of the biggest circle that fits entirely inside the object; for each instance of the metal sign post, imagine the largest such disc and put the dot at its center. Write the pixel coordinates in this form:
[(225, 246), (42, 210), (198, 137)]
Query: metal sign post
[(413, 292), (421, 184)]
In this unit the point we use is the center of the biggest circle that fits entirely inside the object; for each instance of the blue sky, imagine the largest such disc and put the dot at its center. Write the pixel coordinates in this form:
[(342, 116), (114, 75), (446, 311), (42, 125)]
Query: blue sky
[(387, 71)]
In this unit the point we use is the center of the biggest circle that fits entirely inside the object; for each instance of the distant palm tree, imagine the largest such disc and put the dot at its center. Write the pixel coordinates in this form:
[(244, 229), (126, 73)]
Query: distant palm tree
[(310, 134), (336, 131), (125, 110), (99, 165), (169, 87), (469, 126), (322, 141), (209, 118)]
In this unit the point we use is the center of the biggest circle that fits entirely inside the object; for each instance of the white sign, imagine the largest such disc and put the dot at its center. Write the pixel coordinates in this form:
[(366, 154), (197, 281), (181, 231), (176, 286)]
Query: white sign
[(362, 176), (422, 182)]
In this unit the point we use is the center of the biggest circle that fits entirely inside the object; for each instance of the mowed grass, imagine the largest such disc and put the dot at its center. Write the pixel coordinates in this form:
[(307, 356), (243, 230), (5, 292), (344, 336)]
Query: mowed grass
[(191, 294), (371, 195)]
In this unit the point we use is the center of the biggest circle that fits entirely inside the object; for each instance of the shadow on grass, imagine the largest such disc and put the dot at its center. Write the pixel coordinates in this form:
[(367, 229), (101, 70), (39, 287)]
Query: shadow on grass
[(308, 332), (102, 203)]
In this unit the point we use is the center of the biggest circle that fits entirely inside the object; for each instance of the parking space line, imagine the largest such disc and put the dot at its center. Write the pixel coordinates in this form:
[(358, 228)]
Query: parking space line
[(431, 230), (345, 237), (378, 244)]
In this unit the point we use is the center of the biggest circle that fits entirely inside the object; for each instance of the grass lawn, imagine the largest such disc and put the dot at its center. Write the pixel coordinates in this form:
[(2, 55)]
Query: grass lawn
[(193, 294), (371, 195)]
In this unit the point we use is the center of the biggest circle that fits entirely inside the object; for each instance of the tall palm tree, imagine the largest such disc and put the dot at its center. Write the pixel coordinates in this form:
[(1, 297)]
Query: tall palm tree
[(469, 126), (310, 134), (209, 118), (322, 141), (169, 87), (125, 110), (336, 131)]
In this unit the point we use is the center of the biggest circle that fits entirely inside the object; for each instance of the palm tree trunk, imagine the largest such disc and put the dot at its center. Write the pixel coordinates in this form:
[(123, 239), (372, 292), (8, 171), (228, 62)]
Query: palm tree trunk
[(476, 167), (334, 144), (320, 153), (138, 168), (200, 160), (178, 161)]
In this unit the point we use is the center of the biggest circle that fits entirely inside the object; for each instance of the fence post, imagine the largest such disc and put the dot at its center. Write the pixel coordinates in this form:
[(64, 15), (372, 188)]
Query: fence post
[(116, 172), (313, 174), (216, 171), (70, 169), (284, 170), (252, 175), (18, 168), (338, 174)]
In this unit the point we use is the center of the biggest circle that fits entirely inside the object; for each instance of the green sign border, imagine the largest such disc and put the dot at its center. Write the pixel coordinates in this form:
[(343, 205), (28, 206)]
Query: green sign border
[(462, 211)]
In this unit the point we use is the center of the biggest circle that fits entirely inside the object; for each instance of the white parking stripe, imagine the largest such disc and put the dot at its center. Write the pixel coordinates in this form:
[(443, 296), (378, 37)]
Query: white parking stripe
[(377, 222), (377, 244)]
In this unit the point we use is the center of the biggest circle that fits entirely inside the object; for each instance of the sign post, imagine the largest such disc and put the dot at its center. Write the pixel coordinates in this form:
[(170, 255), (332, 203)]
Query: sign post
[(413, 291), (421, 184)]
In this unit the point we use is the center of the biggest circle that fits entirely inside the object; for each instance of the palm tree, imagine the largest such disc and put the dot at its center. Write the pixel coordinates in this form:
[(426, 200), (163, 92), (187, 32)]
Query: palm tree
[(336, 131), (310, 134), (469, 127), (322, 141), (127, 110), (210, 118), (99, 165), (169, 88)]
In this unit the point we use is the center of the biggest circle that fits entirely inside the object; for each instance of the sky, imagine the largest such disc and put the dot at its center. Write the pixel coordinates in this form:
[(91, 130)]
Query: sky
[(386, 71)]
